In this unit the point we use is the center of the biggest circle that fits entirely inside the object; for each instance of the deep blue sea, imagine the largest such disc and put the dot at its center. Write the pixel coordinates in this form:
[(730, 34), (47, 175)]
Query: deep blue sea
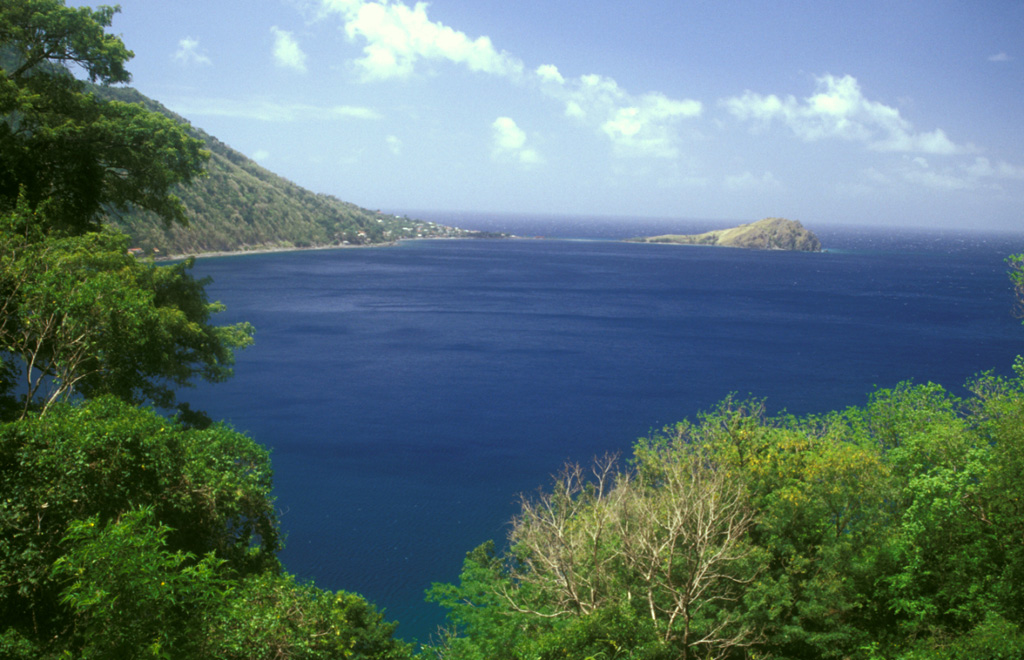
[(409, 394)]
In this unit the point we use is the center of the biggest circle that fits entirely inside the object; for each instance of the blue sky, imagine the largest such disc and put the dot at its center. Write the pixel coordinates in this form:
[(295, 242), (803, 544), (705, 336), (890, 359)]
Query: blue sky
[(898, 113)]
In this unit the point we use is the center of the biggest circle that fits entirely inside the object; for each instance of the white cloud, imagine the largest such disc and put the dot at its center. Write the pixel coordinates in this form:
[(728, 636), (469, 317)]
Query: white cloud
[(983, 168), (260, 155), (287, 53), (271, 111), (1000, 57), (934, 142), (397, 37), (189, 53), (394, 144), (509, 142), (980, 173), (636, 125), (575, 110), (941, 180), (751, 182), (549, 73), (840, 110), (873, 175)]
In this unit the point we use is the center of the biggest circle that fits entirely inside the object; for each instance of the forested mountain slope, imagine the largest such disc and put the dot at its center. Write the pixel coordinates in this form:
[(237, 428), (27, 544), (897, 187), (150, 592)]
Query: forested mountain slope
[(240, 205)]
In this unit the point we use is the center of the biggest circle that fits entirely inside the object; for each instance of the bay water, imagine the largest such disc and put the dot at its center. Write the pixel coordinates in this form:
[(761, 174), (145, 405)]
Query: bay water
[(410, 394)]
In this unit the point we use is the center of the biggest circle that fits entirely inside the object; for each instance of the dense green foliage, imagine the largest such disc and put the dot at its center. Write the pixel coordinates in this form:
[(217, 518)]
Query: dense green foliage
[(1016, 263), (99, 461), (81, 315), (77, 315), (127, 534), (124, 533), (66, 154), (895, 530)]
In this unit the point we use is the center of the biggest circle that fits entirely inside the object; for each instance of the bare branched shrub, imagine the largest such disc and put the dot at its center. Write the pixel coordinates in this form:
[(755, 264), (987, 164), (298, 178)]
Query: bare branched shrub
[(668, 537)]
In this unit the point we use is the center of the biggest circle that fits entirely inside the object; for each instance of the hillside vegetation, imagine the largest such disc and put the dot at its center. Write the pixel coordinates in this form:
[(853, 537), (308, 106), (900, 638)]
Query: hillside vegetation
[(240, 205), (767, 234)]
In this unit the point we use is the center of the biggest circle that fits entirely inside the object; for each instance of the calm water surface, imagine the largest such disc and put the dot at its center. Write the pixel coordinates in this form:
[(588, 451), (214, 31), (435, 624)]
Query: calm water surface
[(409, 394)]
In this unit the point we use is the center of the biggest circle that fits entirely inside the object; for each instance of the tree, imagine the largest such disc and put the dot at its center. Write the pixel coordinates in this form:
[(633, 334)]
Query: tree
[(272, 616), (660, 551), (130, 597), (77, 314), (100, 460), (126, 534), (83, 316), (685, 537), (66, 153), (820, 522), (958, 560), (669, 538), (1016, 262)]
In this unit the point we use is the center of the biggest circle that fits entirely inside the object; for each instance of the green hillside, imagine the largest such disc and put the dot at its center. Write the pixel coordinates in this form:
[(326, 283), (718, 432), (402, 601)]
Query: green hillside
[(767, 234), (240, 205)]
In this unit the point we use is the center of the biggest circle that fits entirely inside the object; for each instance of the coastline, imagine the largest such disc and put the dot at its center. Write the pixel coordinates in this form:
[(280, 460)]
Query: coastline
[(269, 250)]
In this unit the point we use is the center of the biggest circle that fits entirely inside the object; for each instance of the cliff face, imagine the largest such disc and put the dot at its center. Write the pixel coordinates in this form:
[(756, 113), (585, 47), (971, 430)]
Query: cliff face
[(767, 234)]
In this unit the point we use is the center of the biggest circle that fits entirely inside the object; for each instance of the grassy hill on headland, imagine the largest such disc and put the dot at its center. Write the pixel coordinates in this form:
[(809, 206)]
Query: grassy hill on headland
[(240, 205), (767, 234)]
